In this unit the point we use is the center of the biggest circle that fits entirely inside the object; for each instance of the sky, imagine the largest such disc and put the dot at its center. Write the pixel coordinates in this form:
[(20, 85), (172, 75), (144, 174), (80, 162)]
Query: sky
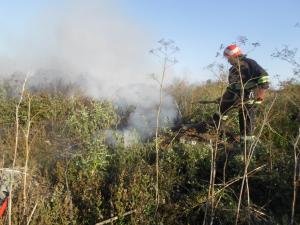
[(197, 27), (200, 27)]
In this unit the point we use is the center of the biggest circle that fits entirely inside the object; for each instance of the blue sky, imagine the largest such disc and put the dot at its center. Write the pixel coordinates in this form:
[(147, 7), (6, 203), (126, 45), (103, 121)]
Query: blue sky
[(200, 27), (197, 27)]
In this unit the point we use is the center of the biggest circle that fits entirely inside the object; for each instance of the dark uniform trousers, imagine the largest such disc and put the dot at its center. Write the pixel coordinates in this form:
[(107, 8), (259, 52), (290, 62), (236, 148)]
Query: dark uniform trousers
[(247, 110)]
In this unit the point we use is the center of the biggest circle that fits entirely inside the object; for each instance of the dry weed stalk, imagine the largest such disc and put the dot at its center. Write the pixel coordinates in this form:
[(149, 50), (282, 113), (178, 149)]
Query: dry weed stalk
[(211, 190), (164, 52), (157, 129), (31, 214), (248, 156), (27, 149), (296, 175), (115, 218), (16, 147)]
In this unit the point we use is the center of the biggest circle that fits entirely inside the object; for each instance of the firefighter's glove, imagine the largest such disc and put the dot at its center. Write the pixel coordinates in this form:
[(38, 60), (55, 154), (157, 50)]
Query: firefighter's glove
[(260, 94)]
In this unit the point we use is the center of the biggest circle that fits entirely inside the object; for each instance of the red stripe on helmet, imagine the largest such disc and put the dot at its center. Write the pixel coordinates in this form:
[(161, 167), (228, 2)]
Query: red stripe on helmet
[(232, 51)]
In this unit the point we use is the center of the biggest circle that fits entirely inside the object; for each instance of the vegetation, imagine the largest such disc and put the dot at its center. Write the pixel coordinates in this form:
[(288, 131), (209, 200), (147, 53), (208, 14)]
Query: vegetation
[(74, 176)]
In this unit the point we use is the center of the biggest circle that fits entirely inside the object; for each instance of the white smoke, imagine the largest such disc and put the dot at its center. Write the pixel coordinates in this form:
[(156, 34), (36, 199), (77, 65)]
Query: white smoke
[(94, 44)]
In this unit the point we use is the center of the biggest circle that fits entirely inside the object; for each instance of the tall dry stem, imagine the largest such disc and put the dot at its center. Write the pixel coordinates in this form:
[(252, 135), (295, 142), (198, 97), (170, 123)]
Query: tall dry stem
[(164, 52), (249, 157), (213, 170), (296, 176), (17, 120), (245, 177), (157, 129), (27, 149), (16, 147)]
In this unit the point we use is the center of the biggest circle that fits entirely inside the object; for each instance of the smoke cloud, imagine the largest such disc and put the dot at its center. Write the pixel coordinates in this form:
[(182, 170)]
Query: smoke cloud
[(94, 44)]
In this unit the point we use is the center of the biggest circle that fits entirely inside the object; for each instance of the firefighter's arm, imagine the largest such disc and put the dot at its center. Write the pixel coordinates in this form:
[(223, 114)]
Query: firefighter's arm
[(263, 85), (263, 81), (261, 77)]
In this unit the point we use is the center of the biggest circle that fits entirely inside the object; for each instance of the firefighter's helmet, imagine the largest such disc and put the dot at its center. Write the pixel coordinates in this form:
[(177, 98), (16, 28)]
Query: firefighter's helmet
[(233, 51)]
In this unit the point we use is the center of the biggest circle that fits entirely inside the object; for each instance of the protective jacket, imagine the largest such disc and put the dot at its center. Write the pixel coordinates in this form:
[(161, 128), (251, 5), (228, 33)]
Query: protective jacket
[(247, 75)]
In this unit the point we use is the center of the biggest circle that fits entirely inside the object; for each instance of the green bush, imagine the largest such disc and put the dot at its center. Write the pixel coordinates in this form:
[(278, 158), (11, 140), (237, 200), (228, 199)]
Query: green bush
[(76, 177)]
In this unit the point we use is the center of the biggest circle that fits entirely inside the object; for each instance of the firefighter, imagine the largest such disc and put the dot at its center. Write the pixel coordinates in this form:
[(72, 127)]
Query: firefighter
[(248, 82)]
